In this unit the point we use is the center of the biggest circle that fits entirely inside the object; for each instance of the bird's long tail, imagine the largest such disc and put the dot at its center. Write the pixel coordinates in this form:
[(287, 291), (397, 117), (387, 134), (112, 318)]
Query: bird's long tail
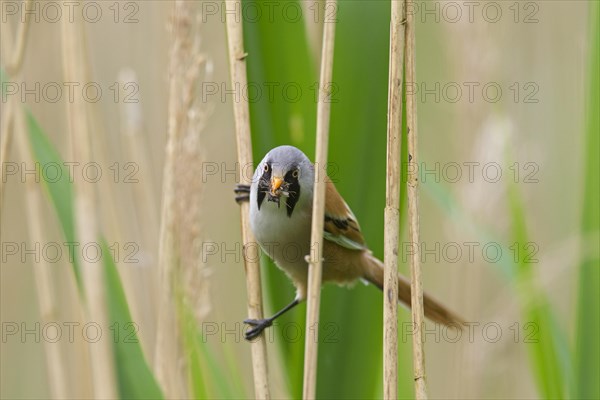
[(433, 309)]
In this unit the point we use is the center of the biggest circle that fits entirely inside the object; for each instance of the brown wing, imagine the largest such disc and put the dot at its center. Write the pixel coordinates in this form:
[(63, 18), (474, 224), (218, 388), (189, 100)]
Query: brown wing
[(341, 225)]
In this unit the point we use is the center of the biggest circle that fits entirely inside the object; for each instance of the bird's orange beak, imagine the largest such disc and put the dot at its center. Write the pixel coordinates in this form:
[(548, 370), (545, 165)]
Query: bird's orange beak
[(275, 184)]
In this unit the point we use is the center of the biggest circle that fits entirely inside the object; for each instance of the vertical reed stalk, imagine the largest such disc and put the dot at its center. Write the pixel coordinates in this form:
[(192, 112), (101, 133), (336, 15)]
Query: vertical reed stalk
[(16, 60), (413, 219), (15, 56), (237, 66), (76, 70), (392, 209), (315, 259), (179, 216), (46, 294), (166, 354)]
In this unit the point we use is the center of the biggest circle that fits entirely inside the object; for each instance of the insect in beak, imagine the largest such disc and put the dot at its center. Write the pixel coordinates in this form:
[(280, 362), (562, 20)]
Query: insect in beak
[(276, 183), (276, 190)]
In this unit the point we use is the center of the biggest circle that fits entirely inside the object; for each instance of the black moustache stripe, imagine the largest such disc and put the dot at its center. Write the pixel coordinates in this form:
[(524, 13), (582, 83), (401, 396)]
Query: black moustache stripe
[(293, 190), (263, 184)]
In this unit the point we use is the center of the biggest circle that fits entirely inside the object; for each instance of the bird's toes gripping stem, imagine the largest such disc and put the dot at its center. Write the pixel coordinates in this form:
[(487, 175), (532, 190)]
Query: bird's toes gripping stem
[(242, 193), (259, 325)]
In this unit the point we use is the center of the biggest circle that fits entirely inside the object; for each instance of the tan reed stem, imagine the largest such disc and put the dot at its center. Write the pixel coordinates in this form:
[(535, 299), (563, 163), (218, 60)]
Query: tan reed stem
[(392, 209), (237, 65), (315, 259), (76, 69), (413, 219)]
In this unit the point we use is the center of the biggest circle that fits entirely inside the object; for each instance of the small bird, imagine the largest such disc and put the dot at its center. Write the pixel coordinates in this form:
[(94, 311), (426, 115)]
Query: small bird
[(281, 196)]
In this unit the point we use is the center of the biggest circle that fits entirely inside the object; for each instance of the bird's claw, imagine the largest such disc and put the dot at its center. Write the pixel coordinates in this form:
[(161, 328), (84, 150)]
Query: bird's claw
[(259, 325), (242, 193)]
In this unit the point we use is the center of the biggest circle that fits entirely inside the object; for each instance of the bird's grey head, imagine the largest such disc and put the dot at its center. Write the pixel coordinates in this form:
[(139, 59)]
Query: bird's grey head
[(285, 172)]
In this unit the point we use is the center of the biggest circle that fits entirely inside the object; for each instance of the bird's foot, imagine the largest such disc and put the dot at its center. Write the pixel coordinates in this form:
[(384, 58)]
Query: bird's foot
[(259, 325), (242, 193)]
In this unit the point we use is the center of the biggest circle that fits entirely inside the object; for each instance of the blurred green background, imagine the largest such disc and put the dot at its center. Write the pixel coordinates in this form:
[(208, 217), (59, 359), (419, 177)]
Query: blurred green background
[(507, 88)]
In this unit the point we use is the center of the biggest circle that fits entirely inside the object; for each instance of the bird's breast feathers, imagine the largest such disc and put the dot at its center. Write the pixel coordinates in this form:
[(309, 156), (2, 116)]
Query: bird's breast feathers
[(285, 238)]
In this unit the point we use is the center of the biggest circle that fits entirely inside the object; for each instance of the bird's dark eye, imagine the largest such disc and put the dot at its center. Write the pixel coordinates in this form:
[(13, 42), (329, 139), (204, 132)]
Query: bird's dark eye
[(266, 168), (296, 173)]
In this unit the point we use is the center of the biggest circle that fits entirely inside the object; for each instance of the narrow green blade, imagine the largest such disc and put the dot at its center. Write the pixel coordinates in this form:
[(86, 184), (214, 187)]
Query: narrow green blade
[(135, 379), (548, 349), (57, 182), (587, 347)]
